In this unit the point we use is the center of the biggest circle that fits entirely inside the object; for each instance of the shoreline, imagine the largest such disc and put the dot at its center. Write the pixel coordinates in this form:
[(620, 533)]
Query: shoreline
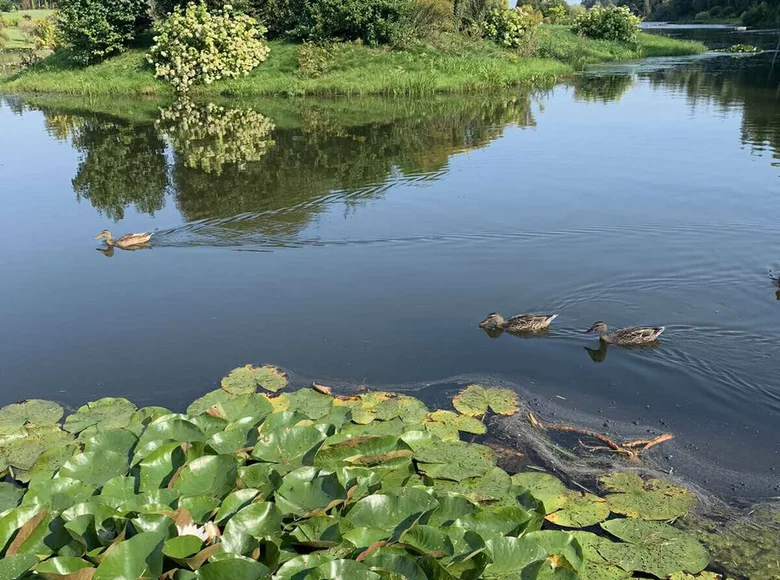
[(450, 65)]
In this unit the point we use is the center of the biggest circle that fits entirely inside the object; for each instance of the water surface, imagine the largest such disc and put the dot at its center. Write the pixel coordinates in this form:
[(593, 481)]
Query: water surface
[(363, 241)]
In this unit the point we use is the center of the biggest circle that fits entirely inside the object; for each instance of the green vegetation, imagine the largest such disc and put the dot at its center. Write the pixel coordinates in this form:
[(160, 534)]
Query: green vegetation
[(309, 485), (742, 48), (756, 13), (608, 23), (18, 28), (452, 63)]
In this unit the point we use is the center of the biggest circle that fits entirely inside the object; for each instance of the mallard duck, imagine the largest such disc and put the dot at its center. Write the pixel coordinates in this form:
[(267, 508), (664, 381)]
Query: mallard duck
[(519, 323), (126, 241), (634, 336)]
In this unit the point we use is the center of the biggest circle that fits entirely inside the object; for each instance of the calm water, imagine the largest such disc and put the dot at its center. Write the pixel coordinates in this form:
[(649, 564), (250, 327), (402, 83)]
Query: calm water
[(363, 241)]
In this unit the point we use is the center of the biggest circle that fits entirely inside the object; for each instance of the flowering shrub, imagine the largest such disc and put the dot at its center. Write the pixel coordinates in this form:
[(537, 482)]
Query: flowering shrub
[(45, 34), (512, 28), (194, 46), (608, 23), (94, 29)]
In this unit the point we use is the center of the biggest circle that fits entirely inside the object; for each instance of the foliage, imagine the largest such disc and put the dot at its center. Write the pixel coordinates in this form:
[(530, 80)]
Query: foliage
[(163, 8), (94, 29), (757, 13), (740, 48), (210, 137), (471, 15), (314, 60), (45, 34), (196, 46), (513, 28), (280, 17), (246, 485), (374, 22), (608, 23)]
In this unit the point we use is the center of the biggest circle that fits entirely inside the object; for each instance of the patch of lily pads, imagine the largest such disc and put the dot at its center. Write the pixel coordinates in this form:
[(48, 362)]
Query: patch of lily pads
[(306, 485)]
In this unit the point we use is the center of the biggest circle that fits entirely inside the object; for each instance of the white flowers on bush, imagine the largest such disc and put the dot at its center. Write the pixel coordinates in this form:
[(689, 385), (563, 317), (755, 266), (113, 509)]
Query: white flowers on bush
[(608, 23), (194, 46), (512, 28)]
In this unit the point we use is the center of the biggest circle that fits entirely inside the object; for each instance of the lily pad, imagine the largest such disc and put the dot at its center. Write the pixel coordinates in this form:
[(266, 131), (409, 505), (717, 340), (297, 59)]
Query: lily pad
[(510, 555), (401, 507), (10, 496), (464, 423), (64, 566), (245, 380), (308, 402), (35, 411), (560, 544), (12, 567), (253, 522), (102, 415), (544, 487), (580, 511), (492, 486), (210, 475), (290, 447), (649, 500), (95, 467), (653, 547), (475, 400), (408, 409), (139, 557), (234, 569), (455, 460), (22, 448), (342, 570), (49, 462), (596, 567), (308, 489), (428, 541)]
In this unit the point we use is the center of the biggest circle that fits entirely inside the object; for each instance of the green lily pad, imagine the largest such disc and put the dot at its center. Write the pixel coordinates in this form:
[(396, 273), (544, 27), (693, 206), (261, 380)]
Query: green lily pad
[(158, 468), (22, 448), (464, 423), (544, 487), (580, 511), (492, 486), (290, 447), (200, 507), (253, 522), (299, 566), (62, 566), (233, 569), (649, 500), (245, 380), (307, 489), (396, 563), (13, 567), (318, 529), (510, 555), (143, 416), (561, 544), (235, 501), (210, 475), (451, 507), (50, 461), (399, 507), (496, 521), (102, 415), (95, 467), (182, 547), (342, 570), (139, 557), (428, 540), (363, 407), (361, 451), (35, 411), (653, 547), (308, 402), (702, 576), (119, 441), (408, 409), (455, 460), (10, 496), (260, 476), (596, 567), (475, 400)]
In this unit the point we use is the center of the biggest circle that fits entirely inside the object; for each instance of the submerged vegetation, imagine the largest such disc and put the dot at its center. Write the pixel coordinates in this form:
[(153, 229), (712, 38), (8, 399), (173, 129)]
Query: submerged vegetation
[(309, 485)]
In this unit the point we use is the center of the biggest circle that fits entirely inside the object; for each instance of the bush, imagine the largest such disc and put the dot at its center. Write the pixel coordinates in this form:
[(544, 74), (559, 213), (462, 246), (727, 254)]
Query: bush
[(280, 17), (7, 6), (513, 28), (194, 46), (95, 29), (372, 21), (313, 60), (702, 16), (608, 23), (162, 8), (556, 14), (45, 34), (471, 15)]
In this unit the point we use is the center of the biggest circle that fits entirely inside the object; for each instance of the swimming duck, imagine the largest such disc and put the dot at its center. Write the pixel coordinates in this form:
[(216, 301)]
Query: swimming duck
[(125, 242), (634, 336), (519, 323)]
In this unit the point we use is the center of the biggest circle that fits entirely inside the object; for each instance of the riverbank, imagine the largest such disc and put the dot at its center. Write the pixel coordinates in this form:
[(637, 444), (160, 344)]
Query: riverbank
[(448, 64)]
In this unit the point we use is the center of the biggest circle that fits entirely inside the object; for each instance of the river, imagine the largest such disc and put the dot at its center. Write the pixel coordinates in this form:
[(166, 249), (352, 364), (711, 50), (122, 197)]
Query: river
[(363, 241)]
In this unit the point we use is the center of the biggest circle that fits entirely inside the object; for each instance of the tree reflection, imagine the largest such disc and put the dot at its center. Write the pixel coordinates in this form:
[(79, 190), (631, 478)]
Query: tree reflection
[(602, 88)]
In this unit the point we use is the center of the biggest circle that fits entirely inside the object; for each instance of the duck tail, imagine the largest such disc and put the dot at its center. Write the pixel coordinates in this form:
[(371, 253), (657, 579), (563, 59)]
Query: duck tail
[(660, 330), (551, 318)]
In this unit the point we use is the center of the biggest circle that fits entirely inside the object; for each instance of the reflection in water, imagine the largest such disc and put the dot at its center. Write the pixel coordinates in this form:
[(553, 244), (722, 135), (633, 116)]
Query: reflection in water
[(599, 354), (209, 137), (601, 89), (108, 252), (750, 83)]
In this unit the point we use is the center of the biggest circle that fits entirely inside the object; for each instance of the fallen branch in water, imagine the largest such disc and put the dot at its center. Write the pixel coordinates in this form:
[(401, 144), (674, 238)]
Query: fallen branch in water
[(631, 449)]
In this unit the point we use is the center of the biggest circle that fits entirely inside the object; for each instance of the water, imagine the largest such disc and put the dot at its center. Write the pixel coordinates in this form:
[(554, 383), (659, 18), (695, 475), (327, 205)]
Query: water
[(368, 240)]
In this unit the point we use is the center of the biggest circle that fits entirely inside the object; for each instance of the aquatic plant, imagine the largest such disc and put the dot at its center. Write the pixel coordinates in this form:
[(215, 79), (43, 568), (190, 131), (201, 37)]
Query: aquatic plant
[(309, 485), (740, 48)]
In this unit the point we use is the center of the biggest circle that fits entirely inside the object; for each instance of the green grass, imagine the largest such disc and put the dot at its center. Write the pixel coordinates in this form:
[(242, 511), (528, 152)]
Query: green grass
[(450, 63), (558, 42), (19, 29)]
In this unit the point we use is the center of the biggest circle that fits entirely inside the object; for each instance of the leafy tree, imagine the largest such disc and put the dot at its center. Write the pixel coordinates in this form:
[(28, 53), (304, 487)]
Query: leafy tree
[(96, 29)]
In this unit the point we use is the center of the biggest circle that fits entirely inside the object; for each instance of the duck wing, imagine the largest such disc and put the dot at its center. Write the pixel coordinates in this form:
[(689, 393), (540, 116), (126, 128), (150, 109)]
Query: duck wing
[(638, 334), (530, 320)]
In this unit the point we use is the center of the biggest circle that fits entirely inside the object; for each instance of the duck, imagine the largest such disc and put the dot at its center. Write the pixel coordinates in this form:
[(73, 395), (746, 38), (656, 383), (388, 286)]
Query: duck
[(129, 241), (633, 336), (518, 323)]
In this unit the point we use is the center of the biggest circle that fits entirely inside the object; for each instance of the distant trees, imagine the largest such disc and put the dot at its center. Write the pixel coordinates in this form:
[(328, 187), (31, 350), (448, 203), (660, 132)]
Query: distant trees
[(749, 12)]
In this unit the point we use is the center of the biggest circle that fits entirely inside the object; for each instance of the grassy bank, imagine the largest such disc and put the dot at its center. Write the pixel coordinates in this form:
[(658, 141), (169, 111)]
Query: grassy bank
[(448, 65)]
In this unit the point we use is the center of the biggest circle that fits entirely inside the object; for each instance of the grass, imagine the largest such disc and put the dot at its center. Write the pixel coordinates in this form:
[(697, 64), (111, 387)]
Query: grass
[(558, 42), (450, 63), (19, 29)]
